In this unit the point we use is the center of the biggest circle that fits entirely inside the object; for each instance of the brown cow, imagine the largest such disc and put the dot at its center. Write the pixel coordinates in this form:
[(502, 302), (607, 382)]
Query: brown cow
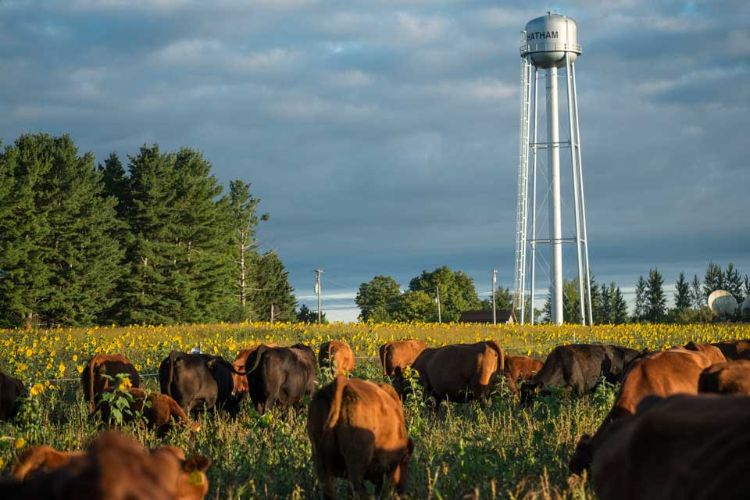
[(357, 431), (338, 354), (11, 389), (520, 368), (735, 349), (239, 379), (114, 467), (711, 351), (679, 447), (399, 354), (675, 371), (732, 377), (94, 377), (460, 372), (159, 410)]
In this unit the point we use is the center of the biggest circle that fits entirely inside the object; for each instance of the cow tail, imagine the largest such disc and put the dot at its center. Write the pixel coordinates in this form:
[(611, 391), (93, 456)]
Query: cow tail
[(334, 412), (500, 354), (258, 354), (383, 351)]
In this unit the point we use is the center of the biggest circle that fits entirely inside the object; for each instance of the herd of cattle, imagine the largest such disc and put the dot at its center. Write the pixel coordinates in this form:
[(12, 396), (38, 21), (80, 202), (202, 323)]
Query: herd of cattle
[(660, 439)]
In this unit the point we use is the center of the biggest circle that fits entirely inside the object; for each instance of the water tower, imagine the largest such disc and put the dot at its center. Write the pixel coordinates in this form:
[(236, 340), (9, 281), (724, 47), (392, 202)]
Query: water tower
[(550, 44)]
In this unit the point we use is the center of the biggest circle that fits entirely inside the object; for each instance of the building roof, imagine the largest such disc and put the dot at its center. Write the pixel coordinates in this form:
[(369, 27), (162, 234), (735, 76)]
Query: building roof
[(503, 316)]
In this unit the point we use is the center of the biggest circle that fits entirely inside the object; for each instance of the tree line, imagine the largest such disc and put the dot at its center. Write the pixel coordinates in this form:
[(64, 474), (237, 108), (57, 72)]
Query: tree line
[(690, 302), (156, 240)]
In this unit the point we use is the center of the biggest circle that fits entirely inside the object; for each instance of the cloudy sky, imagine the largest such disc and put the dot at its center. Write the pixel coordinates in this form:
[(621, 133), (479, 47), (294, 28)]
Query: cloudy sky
[(382, 135)]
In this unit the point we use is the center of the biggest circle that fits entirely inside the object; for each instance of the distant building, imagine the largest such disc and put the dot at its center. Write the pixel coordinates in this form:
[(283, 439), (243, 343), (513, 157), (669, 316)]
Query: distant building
[(503, 316)]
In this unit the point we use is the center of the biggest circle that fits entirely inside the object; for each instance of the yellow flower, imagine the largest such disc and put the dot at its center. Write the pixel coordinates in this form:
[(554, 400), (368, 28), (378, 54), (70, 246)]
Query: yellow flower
[(29, 352), (36, 389), (79, 368), (20, 443), (61, 369), (125, 384)]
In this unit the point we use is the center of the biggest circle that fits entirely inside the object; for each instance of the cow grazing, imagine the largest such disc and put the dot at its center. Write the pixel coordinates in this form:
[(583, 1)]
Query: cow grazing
[(159, 410), (736, 349), (712, 352), (280, 375), (239, 377), (679, 447), (732, 377), (114, 467), (10, 390), (98, 375), (357, 431), (579, 368), (520, 368), (399, 354), (198, 382), (337, 355), (459, 372), (675, 371)]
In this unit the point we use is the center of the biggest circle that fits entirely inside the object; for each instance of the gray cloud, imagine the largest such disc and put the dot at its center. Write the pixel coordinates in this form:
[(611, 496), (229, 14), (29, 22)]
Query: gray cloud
[(382, 136)]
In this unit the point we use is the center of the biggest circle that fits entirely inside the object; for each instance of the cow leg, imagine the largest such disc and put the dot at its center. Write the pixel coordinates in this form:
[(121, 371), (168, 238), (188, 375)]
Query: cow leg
[(355, 471)]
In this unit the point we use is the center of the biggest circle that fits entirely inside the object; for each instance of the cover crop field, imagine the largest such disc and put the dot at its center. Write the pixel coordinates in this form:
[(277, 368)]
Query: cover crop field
[(500, 450)]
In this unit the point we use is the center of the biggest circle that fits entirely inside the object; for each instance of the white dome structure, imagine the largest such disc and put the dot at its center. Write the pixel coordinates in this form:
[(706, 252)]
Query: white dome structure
[(745, 308), (722, 303)]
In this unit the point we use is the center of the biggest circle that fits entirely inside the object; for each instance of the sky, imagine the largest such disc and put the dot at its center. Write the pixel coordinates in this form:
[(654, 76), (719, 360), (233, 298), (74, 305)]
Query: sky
[(382, 135)]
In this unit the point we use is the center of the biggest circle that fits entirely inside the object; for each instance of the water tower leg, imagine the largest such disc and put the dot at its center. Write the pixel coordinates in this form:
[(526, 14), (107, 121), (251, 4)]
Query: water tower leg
[(555, 219)]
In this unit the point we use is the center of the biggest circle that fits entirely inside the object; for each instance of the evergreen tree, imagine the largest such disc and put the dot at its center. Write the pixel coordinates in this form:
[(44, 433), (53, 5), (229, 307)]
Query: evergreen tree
[(59, 257), (115, 181), (682, 298), (245, 220), (696, 293), (378, 299), (639, 311), (305, 315), (24, 225), (619, 308), (733, 282), (746, 286), (713, 279), (457, 292), (606, 312), (655, 300), (271, 286), (202, 241)]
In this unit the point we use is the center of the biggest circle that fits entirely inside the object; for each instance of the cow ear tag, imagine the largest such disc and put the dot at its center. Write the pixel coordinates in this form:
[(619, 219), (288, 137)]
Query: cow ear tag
[(196, 478)]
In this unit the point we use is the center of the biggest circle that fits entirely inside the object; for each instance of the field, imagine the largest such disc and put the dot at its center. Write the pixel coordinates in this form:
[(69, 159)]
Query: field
[(496, 451)]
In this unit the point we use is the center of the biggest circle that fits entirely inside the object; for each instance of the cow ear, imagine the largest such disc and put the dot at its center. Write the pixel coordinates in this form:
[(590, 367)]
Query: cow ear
[(196, 463)]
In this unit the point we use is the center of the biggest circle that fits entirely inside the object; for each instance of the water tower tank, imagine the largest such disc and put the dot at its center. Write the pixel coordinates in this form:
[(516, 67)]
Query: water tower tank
[(548, 38), (722, 303)]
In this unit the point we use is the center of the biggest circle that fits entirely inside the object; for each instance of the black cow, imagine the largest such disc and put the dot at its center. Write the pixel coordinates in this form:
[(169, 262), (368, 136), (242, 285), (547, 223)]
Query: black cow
[(579, 367), (280, 375), (198, 381), (10, 390)]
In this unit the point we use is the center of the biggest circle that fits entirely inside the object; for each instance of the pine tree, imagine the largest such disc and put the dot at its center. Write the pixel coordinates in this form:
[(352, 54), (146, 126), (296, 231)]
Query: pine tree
[(733, 282), (682, 299), (746, 286), (245, 220), (202, 239), (24, 225), (696, 293), (713, 279), (619, 308), (639, 311), (84, 256), (148, 287), (271, 286), (606, 314), (115, 181), (655, 300), (59, 257)]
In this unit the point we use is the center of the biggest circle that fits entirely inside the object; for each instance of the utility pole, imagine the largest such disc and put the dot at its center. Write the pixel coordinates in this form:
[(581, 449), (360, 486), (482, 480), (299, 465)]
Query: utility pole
[(318, 272), (440, 318), (494, 306)]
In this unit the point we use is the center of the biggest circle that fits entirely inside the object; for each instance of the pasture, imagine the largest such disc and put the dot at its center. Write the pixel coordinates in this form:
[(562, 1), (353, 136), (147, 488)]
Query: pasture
[(497, 451)]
